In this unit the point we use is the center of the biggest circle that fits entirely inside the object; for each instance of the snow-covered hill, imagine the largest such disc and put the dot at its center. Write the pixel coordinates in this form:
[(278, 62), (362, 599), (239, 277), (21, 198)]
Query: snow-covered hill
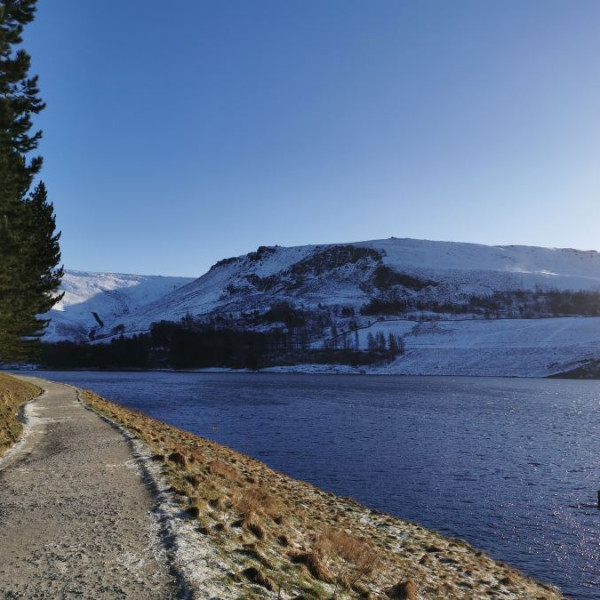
[(93, 303), (472, 298), (351, 275)]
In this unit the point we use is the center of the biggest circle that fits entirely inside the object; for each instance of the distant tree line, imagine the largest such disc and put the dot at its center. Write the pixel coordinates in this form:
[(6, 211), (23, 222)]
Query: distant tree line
[(505, 304), (191, 345)]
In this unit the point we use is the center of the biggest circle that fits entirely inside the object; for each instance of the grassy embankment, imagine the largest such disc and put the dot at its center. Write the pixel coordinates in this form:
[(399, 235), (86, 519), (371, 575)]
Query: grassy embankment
[(285, 538), (13, 394)]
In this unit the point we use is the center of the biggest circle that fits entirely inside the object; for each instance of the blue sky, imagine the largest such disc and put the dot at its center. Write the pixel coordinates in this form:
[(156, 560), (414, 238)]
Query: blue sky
[(177, 134)]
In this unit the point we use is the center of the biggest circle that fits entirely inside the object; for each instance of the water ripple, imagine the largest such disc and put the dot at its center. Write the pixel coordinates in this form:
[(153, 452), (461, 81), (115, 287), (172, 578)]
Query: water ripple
[(510, 465)]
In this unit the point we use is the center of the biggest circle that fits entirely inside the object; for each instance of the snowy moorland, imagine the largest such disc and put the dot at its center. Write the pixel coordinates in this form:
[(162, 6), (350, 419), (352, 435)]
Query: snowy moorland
[(95, 302), (464, 309)]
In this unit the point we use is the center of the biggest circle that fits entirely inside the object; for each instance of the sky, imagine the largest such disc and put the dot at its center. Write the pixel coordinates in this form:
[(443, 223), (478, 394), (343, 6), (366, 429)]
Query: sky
[(178, 134)]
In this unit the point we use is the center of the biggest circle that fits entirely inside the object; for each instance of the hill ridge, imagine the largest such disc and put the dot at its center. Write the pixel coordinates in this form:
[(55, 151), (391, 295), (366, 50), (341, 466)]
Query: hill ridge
[(341, 288)]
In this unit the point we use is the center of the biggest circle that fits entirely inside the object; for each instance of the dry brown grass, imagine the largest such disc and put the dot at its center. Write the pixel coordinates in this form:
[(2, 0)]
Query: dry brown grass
[(13, 394), (351, 558), (259, 500), (218, 467), (290, 539), (314, 561), (405, 590)]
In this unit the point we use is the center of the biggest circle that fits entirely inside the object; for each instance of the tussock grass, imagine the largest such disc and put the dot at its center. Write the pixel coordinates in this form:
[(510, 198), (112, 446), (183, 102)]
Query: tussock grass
[(283, 538), (218, 467), (13, 394), (257, 499), (351, 558)]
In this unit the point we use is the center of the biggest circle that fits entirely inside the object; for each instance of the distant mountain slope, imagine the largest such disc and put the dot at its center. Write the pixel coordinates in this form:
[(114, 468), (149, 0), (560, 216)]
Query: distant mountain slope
[(354, 274), (459, 308), (94, 302)]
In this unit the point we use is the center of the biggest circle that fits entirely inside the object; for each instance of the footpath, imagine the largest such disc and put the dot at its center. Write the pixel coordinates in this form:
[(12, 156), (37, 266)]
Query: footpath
[(75, 514)]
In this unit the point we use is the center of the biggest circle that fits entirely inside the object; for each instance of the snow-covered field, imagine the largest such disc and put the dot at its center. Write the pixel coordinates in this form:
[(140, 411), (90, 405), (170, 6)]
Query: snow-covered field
[(503, 347), (499, 267)]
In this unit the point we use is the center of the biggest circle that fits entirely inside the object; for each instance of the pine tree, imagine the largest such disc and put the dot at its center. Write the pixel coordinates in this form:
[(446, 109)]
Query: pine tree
[(401, 345), (371, 342), (392, 345), (380, 340), (29, 250)]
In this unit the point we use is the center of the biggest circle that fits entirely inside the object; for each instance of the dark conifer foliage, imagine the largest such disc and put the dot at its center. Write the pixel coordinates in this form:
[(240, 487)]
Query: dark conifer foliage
[(187, 345), (29, 250)]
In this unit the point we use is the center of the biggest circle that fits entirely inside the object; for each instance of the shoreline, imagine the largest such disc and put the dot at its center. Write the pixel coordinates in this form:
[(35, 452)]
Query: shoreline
[(294, 370), (242, 547), (435, 565)]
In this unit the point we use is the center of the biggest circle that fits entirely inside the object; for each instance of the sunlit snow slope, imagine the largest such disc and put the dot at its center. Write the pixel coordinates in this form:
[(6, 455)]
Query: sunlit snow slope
[(345, 278), (94, 303)]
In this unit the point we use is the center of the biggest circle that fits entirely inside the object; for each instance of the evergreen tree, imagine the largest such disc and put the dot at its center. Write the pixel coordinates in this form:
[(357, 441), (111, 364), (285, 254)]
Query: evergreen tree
[(29, 251), (392, 345), (380, 340), (401, 345), (371, 342)]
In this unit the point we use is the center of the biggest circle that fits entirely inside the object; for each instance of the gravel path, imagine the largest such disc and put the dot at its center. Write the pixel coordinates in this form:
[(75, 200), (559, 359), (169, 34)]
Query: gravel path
[(75, 518)]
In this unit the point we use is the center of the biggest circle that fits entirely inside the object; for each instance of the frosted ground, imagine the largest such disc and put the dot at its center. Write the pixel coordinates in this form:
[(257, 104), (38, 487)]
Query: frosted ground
[(503, 347)]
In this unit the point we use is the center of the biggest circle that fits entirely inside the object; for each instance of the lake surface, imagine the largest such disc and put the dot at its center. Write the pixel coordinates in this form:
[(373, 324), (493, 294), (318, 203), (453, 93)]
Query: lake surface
[(510, 465)]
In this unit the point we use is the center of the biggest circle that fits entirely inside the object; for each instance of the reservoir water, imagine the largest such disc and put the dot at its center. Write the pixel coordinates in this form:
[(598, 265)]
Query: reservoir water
[(510, 465)]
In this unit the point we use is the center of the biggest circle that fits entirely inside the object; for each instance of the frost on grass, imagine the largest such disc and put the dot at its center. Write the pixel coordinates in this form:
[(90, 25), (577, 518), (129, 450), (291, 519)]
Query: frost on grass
[(237, 529), (14, 393)]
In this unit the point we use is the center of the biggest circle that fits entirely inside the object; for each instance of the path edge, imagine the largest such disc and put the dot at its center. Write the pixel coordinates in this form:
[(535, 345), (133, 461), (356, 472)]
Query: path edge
[(25, 416)]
